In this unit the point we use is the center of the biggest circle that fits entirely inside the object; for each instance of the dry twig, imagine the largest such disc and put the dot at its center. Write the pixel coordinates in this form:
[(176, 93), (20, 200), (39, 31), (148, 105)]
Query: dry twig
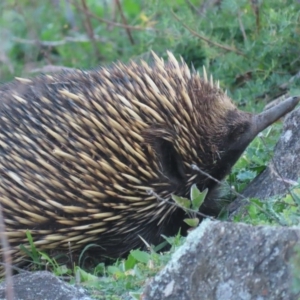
[(124, 21), (66, 40), (225, 47), (242, 27), (193, 7), (114, 23), (255, 8), (89, 29)]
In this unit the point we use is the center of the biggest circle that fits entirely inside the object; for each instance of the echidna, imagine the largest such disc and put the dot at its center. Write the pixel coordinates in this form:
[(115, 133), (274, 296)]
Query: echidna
[(93, 156)]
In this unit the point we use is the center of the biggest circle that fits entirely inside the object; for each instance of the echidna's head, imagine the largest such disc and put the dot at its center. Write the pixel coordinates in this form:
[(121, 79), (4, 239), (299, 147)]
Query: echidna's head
[(203, 132)]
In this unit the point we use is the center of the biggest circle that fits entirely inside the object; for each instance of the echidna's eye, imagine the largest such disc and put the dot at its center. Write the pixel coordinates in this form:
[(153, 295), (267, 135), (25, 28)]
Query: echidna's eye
[(240, 131), (236, 132)]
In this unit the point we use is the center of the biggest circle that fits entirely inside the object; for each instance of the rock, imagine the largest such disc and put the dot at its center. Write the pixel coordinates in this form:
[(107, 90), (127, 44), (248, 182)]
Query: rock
[(225, 261), (44, 286), (283, 170)]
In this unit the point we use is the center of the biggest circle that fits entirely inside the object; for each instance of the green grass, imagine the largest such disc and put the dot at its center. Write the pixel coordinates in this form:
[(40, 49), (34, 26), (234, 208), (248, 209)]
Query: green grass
[(124, 279), (253, 52)]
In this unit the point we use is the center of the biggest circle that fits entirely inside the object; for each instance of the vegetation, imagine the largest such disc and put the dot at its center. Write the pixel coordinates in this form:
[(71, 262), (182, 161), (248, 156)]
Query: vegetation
[(252, 47)]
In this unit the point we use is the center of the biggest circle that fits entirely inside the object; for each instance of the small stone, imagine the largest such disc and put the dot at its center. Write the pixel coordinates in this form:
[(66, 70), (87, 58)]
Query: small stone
[(44, 286)]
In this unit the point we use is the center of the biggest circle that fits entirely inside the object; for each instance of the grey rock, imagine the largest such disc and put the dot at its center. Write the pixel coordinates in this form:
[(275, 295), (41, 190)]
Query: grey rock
[(43, 285), (225, 261), (282, 171)]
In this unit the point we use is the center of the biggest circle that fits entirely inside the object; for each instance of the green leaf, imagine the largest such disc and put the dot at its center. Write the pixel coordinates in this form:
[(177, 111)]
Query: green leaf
[(62, 270), (296, 195), (51, 261), (30, 240), (185, 203), (195, 192), (32, 252), (135, 295), (257, 202), (197, 197), (252, 211), (113, 270), (246, 175), (140, 256), (174, 240), (100, 269), (131, 7), (192, 222), (85, 276), (170, 240), (160, 246), (26, 251), (130, 262)]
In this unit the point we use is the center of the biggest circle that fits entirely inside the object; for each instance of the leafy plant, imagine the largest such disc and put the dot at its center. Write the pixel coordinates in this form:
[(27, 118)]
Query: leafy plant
[(32, 252), (40, 260), (191, 206)]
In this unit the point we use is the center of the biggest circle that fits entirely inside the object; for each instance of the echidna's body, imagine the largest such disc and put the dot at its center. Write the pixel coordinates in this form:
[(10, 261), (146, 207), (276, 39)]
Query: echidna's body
[(87, 157)]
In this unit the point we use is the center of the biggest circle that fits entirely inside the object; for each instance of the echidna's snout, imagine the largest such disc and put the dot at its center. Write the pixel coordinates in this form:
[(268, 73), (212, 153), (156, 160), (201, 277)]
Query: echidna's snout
[(261, 121), (266, 118)]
